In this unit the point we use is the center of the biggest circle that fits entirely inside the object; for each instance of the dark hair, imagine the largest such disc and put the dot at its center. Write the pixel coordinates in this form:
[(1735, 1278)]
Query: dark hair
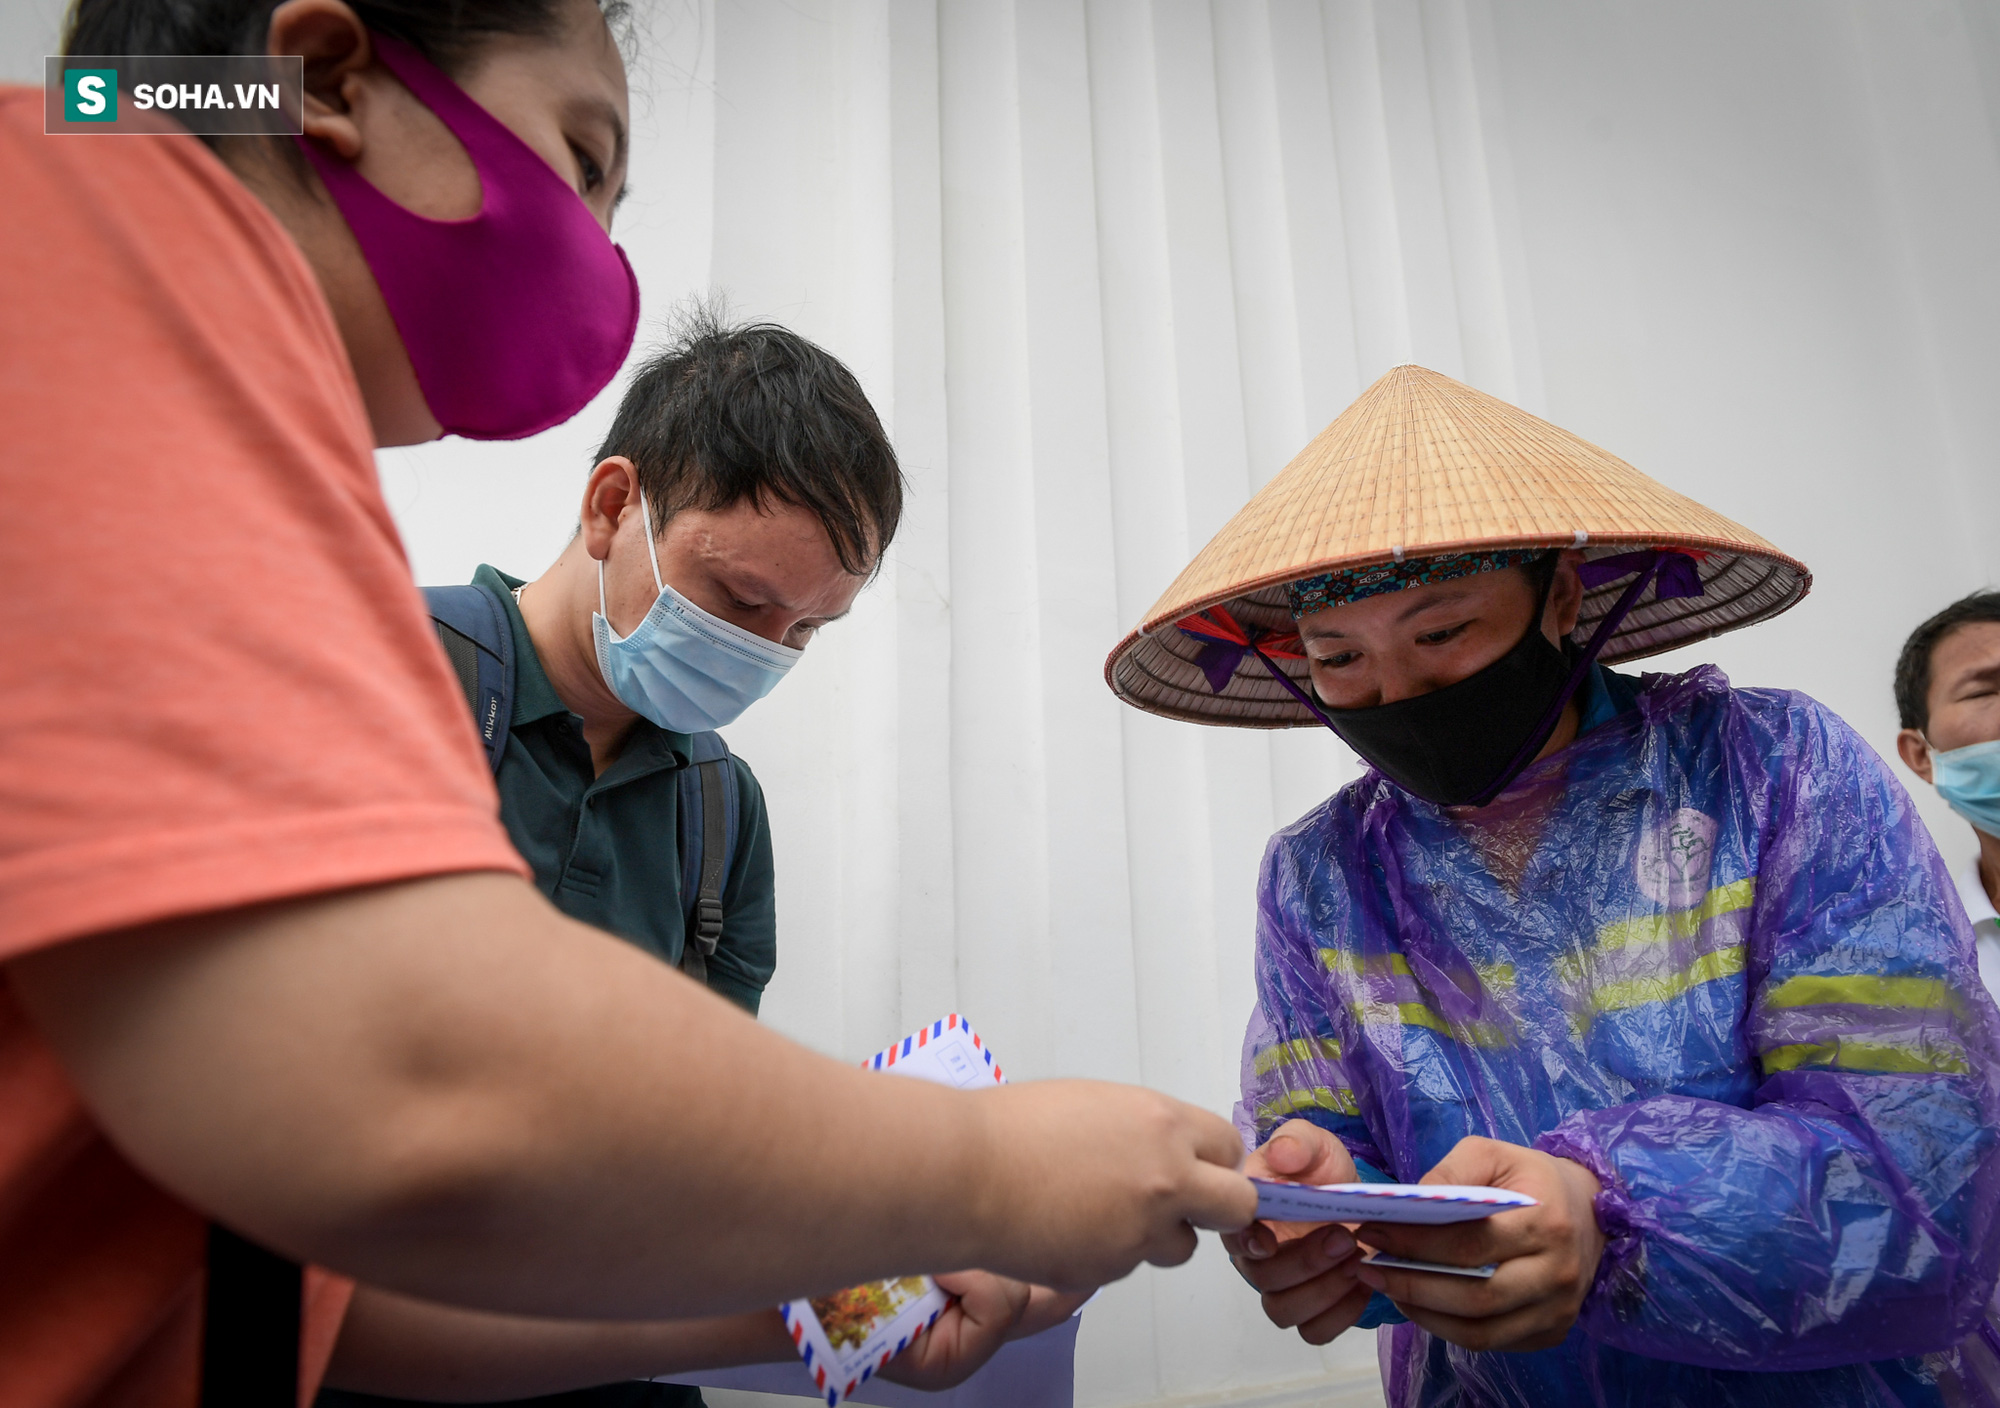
[(1913, 666), (725, 414), (445, 31)]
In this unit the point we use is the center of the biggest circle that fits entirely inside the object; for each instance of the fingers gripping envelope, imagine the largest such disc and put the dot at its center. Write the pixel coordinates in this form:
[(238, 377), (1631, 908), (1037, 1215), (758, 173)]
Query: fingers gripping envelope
[(1430, 1204), (845, 1338)]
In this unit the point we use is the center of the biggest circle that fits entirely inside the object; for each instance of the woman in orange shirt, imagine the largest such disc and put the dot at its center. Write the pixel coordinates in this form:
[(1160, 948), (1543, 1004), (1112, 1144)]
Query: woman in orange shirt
[(267, 953)]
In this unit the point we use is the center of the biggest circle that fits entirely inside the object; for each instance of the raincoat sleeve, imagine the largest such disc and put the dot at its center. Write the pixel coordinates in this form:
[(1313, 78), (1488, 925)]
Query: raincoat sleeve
[(1292, 1066), (1849, 1213)]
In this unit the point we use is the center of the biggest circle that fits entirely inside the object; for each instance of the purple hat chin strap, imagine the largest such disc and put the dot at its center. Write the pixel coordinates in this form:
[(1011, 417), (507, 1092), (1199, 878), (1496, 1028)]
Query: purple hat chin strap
[(1678, 577)]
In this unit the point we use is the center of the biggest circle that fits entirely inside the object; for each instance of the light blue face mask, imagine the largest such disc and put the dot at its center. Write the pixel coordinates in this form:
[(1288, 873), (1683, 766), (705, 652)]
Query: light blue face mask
[(1969, 779), (682, 668)]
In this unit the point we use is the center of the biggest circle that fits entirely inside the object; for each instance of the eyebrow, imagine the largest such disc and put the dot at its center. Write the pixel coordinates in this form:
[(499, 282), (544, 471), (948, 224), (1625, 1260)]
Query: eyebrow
[(1988, 671), (763, 589), (1447, 598)]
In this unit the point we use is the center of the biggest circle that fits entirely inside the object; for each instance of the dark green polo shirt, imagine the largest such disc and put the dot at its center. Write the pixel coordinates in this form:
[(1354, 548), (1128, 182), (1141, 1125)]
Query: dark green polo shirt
[(606, 850)]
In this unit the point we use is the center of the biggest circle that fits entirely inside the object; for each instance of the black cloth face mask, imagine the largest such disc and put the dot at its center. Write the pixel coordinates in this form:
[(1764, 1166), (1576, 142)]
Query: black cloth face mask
[(1461, 745)]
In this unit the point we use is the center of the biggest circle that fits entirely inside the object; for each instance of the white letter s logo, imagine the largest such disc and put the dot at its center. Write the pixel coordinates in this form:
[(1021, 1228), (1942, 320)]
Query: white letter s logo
[(90, 95)]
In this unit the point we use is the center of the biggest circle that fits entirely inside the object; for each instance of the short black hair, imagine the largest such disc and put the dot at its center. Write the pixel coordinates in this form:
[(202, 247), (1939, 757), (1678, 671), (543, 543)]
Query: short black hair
[(754, 411), (447, 32), (1913, 666), (444, 31)]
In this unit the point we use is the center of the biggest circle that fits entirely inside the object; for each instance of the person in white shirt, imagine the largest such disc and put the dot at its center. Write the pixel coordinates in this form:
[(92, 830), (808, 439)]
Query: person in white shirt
[(1948, 697)]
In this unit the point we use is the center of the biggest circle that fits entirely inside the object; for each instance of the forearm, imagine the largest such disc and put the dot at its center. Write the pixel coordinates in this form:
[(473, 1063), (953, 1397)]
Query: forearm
[(1734, 1232), (447, 1088), (393, 1345)]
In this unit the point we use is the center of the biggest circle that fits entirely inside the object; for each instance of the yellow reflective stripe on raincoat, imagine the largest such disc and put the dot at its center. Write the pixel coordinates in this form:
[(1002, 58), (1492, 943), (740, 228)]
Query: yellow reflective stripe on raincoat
[(1661, 928), (1417, 1014), (1339, 960), (1616, 997), (1845, 1055), (1678, 923), (1865, 990), (1914, 995), (1493, 976), (1621, 943), (1320, 1097), (1296, 1052)]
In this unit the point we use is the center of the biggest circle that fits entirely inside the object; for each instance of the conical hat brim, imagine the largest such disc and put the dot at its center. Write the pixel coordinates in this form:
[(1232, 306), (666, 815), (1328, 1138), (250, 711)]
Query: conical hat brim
[(1422, 465)]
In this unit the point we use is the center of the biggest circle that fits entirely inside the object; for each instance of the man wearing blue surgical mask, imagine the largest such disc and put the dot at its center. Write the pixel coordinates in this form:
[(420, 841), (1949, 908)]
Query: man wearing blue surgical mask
[(1948, 697), (740, 502)]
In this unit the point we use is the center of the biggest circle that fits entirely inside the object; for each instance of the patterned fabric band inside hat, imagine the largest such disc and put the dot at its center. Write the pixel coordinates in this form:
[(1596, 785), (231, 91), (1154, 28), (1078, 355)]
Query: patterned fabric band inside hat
[(1310, 594)]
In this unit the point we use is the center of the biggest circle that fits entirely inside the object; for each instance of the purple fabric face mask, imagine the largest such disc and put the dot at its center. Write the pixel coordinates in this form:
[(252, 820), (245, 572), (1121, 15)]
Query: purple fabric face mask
[(513, 319)]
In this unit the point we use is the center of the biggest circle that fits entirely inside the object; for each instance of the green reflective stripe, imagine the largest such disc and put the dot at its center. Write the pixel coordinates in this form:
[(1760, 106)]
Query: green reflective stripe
[(1295, 1053), (1863, 990), (1320, 1097), (1663, 928), (1634, 992), (1864, 1056)]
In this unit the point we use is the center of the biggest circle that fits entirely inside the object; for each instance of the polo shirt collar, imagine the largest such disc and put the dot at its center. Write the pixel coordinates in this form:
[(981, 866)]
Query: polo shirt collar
[(534, 697), (649, 746)]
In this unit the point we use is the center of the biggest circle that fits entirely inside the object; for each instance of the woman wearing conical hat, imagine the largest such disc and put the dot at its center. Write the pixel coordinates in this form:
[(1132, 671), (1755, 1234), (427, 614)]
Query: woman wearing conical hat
[(1674, 958)]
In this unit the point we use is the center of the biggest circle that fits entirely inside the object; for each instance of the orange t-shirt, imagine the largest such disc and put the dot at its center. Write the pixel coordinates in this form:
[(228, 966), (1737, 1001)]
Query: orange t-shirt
[(218, 685)]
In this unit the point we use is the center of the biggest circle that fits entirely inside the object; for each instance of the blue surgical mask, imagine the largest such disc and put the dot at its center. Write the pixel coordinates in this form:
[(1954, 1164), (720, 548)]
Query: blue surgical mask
[(682, 668), (1969, 779)]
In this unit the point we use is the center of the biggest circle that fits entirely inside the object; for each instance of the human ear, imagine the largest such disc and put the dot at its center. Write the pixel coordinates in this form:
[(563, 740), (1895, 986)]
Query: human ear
[(613, 491), (1915, 753), (334, 43), (1565, 598)]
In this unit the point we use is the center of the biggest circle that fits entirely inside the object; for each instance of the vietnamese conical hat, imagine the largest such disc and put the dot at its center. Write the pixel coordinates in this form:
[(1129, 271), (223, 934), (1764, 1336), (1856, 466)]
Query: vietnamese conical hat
[(1423, 465)]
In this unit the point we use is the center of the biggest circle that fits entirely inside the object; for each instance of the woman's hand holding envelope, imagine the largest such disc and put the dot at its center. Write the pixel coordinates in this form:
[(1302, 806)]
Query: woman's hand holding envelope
[(1304, 1270), (1547, 1254)]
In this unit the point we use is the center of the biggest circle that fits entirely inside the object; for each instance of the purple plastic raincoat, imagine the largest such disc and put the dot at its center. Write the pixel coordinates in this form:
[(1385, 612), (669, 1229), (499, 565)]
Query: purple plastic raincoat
[(1709, 952)]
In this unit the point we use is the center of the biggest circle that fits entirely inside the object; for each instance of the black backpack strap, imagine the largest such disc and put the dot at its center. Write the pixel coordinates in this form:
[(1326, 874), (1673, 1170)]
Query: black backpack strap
[(250, 1326), (708, 810), (479, 641)]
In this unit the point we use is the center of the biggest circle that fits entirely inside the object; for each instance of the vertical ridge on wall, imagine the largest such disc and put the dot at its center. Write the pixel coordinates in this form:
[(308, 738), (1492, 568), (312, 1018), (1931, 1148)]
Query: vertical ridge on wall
[(998, 782), (1089, 918), (1165, 791), (1510, 267), (919, 569), (1480, 291)]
